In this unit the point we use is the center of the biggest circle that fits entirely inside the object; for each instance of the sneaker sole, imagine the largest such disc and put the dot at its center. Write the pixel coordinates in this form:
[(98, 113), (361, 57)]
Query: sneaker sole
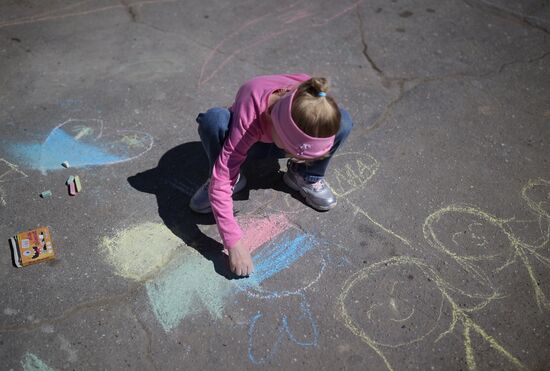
[(295, 187)]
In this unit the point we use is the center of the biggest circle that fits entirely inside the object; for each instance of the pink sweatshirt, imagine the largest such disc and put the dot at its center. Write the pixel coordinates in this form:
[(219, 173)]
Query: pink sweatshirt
[(248, 127)]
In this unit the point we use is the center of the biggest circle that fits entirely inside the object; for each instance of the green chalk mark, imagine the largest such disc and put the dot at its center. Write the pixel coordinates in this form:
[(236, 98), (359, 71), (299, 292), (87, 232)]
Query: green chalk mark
[(188, 286), (30, 362)]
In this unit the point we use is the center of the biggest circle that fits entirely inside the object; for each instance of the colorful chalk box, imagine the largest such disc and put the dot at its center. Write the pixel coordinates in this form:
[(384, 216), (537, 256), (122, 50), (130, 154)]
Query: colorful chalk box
[(31, 247)]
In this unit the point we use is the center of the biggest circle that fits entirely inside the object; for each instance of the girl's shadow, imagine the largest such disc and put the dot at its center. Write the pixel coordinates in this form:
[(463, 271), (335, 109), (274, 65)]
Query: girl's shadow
[(179, 173)]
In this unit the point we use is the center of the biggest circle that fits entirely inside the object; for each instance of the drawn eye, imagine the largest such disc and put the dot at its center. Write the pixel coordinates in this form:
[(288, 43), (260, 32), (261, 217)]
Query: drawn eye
[(27, 253)]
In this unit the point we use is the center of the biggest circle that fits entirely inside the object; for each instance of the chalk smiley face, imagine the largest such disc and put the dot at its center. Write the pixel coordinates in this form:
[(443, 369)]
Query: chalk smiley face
[(395, 316)]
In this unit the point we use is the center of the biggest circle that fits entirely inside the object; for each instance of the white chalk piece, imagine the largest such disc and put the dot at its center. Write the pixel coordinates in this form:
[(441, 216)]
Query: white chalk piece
[(65, 164)]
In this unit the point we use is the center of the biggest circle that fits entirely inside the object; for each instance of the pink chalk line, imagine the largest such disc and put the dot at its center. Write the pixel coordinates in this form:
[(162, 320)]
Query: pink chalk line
[(258, 231), (286, 18)]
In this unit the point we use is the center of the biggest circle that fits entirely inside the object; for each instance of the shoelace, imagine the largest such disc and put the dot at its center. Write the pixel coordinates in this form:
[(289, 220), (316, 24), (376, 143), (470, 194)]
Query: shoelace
[(318, 185)]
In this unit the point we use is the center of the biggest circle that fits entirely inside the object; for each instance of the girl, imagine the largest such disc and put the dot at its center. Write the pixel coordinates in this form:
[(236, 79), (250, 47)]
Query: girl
[(281, 116)]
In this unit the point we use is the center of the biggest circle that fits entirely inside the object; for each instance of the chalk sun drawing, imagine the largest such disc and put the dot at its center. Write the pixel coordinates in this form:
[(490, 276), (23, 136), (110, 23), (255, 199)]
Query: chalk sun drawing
[(82, 143), (139, 252)]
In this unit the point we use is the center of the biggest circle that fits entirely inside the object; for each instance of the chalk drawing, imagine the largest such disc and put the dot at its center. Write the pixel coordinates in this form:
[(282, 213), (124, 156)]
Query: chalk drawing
[(30, 362), (65, 12), (542, 207), (139, 252), (257, 231), (357, 210), (2, 197), (358, 169), (180, 282), (482, 244), (65, 345), (284, 332), (295, 17), (388, 324), (9, 171), (189, 285), (82, 143), (350, 171), (276, 257), (269, 261), (483, 252)]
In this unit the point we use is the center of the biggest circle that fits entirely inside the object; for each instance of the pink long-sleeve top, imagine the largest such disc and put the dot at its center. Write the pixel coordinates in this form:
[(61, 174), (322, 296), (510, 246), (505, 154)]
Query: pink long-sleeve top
[(249, 125)]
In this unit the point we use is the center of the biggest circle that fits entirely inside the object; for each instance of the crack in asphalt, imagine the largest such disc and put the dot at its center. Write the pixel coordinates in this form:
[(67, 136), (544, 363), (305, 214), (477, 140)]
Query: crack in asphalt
[(72, 311), (148, 344), (365, 45), (132, 11), (401, 82)]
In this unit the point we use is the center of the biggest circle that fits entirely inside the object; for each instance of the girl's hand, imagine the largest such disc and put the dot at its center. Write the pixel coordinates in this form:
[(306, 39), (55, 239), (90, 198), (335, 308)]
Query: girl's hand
[(240, 261)]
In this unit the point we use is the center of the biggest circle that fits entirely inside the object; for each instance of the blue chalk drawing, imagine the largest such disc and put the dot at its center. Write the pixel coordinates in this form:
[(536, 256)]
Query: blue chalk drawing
[(59, 147), (283, 332), (30, 362), (81, 143), (274, 258), (189, 285), (268, 262)]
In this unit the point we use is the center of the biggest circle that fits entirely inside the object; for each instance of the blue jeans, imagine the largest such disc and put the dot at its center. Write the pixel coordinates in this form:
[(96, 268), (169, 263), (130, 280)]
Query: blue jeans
[(214, 126)]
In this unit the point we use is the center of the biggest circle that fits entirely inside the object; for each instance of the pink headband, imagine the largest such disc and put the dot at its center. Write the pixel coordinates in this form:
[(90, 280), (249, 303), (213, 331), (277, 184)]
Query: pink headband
[(296, 142)]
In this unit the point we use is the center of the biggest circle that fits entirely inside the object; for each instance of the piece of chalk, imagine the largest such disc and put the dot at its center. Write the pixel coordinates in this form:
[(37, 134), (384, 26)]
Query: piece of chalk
[(77, 183), (65, 164), (72, 189), (46, 194), (69, 180)]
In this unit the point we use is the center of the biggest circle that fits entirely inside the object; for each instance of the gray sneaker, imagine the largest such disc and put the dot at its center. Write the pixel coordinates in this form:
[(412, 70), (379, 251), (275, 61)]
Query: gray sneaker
[(200, 202), (318, 195)]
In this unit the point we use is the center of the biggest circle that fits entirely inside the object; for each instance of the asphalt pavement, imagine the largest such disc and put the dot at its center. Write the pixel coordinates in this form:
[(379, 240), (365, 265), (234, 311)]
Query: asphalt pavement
[(437, 256)]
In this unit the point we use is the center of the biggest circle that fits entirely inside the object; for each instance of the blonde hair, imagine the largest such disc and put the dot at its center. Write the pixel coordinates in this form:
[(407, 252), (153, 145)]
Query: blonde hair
[(316, 115)]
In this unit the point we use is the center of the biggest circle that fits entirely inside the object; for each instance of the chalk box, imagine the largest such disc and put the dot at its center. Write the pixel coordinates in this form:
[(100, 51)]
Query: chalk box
[(31, 247)]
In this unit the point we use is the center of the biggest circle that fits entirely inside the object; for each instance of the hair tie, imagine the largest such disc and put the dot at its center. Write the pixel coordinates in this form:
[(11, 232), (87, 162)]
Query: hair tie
[(322, 94)]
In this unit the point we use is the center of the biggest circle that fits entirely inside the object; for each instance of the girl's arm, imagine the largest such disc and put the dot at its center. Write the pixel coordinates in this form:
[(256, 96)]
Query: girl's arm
[(242, 136)]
